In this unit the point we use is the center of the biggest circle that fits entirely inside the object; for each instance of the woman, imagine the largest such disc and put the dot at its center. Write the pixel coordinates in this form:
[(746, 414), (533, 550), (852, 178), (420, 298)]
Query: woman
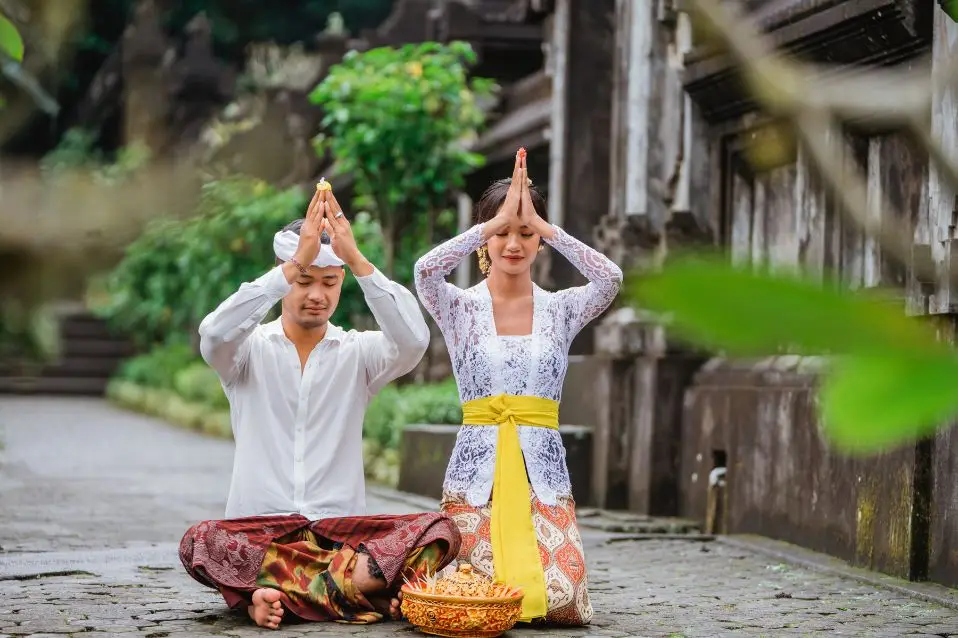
[(509, 341)]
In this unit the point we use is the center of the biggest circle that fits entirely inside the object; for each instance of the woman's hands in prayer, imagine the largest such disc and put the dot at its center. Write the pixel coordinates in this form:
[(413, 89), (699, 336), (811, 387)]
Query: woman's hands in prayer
[(518, 205), (341, 237), (509, 211), (527, 211)]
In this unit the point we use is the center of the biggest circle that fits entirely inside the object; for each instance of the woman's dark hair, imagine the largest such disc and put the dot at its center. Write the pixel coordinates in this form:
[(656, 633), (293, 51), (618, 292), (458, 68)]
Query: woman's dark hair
[(494, 196)]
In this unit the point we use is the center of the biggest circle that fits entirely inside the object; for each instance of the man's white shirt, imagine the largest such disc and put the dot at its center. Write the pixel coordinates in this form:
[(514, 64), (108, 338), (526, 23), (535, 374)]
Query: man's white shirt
[(298, 435)]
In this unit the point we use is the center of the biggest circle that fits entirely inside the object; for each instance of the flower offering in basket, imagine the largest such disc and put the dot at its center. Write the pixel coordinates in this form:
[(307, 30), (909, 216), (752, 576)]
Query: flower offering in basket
[(463, 604)]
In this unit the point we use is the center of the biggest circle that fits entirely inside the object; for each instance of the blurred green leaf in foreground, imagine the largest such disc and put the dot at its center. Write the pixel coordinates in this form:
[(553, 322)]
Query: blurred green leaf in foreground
[(10, 41), (950, 7), (891, 381)]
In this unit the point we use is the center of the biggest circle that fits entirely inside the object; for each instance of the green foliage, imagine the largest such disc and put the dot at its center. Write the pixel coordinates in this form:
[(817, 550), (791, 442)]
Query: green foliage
[(180, 270), (873, 402), (28, 335), (398, 120), (199, 383), (77, 150), (749, 312), (159, 367), (171, 382), (396, 407), (891, 380), (950, 7), (11, 44)]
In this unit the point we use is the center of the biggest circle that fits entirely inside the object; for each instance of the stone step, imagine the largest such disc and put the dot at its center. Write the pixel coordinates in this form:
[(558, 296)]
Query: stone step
[(79, 386), (90, 355), (97, 348), (72, 367), (85, 326), (619, 522)]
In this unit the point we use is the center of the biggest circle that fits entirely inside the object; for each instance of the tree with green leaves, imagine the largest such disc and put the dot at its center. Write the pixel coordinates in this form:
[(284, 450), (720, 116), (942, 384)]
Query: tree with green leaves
[(399, 121)]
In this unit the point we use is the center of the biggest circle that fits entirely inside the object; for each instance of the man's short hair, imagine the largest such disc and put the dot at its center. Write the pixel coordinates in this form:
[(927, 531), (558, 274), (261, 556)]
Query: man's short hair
[(295, 226)]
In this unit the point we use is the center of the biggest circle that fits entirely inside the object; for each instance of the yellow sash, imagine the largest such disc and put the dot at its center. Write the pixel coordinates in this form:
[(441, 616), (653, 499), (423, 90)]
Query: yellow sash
[(515, 549)]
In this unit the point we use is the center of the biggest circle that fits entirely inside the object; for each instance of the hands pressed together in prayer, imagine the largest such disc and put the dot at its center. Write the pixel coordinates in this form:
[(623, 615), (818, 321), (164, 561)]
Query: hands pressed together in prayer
[(518, 207), (324, 214)]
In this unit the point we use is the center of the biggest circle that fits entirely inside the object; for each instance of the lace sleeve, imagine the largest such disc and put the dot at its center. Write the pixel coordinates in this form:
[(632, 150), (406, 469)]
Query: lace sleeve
[(582, 304), (435, 293)]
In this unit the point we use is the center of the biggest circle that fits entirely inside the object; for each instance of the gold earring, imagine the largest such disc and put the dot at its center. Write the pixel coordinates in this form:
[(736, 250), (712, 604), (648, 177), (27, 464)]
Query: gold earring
[(484, 265)]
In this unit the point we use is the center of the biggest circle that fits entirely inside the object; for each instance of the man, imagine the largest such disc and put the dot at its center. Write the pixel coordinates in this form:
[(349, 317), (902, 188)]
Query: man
[(296, 537)]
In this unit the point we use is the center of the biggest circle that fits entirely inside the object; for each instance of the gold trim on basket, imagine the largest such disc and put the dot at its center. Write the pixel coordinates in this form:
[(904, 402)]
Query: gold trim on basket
[(443, 598)]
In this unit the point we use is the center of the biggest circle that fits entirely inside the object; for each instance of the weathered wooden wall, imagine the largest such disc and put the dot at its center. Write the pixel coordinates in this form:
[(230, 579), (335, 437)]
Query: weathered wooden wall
[(942, 214), (759, 420), (783, 480), (784, 215), (943, 509)]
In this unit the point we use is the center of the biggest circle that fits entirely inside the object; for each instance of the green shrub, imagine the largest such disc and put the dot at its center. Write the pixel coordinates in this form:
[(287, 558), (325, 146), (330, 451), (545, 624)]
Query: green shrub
[(159, 367), (396, 407), (199, 383)]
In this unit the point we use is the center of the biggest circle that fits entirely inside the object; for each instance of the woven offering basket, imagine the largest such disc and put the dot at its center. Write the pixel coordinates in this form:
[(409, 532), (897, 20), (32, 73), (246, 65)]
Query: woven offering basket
[(465, 604)]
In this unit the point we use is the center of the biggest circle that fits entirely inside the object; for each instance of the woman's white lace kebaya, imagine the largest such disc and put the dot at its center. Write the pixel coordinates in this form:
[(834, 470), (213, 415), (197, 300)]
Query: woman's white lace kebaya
[(486, 364)]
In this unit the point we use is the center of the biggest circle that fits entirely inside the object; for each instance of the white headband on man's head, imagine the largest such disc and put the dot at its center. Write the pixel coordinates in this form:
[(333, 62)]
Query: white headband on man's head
[(285, 243)]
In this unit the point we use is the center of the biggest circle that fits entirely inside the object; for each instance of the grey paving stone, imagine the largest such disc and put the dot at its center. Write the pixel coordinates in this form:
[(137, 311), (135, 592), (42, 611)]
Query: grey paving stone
[(116, 510)]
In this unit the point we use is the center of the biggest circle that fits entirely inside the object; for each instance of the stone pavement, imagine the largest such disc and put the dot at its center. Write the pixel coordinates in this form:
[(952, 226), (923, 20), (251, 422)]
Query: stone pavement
[(94, 500)]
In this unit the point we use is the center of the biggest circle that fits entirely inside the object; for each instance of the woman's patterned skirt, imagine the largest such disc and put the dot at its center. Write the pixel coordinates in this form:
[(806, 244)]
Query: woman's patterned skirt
[(560, 550)]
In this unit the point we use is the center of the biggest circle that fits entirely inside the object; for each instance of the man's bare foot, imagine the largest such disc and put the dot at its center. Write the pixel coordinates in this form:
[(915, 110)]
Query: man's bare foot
[(395, 607), (266, 610), (389, 607)]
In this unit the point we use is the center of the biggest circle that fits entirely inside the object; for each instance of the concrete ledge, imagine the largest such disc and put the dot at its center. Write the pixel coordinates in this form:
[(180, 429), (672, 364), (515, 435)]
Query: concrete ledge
[(823, 563), (425, 450)]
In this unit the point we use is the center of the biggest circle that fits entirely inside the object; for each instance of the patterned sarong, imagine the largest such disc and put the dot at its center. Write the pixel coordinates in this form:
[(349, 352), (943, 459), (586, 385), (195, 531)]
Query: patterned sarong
[(560, 552), (311, 563)]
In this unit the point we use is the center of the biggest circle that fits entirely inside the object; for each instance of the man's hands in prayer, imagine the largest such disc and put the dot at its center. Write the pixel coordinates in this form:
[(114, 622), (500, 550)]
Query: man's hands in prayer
[(341, 236), (310, 234)]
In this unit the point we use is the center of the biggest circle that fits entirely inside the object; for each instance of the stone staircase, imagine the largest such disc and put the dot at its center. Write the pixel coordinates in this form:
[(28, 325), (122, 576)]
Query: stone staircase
[(90, 355)]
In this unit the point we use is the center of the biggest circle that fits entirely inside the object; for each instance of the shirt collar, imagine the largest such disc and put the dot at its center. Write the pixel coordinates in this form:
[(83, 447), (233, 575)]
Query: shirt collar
[(274, 331)]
